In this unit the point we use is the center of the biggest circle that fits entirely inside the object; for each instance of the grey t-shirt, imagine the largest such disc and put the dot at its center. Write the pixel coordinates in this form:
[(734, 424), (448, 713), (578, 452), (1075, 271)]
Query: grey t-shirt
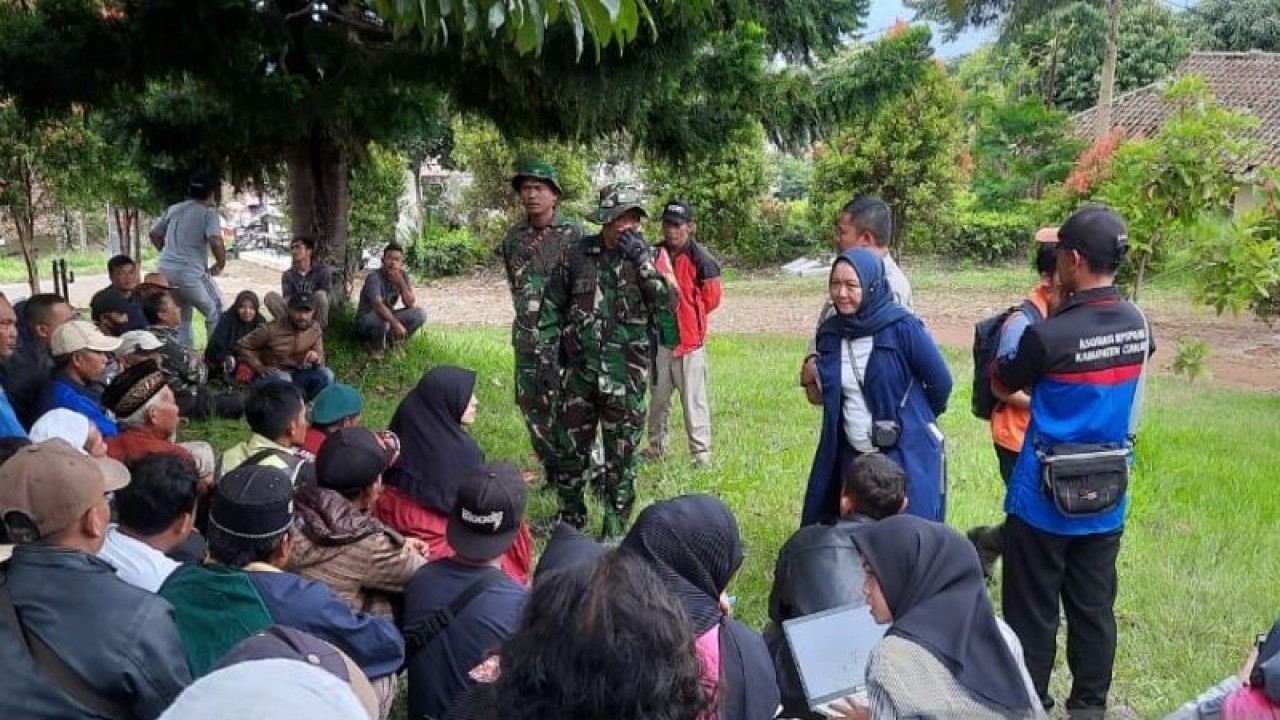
[(376, 286), (187, 227)]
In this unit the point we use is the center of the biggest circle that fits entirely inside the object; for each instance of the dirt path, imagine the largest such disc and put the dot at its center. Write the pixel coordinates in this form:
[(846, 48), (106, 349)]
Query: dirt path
[(1244, 353)]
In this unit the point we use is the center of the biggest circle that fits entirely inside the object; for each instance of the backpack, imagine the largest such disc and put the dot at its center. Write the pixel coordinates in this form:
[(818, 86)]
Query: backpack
[(986, 340)]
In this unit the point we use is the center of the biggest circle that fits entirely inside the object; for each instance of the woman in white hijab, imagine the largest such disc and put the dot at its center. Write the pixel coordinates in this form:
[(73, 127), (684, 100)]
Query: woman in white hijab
[(69, 425)]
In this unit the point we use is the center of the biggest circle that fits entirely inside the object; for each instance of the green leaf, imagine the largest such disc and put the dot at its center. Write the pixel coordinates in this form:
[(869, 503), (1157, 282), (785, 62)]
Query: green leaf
[(497, 17)]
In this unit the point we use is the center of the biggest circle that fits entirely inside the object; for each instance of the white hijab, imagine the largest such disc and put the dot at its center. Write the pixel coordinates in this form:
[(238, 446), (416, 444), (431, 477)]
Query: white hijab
[(65, 424)]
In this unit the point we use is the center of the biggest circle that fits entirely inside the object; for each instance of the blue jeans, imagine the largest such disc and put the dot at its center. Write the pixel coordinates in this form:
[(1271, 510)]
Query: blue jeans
[(194, 289), (310, 381)]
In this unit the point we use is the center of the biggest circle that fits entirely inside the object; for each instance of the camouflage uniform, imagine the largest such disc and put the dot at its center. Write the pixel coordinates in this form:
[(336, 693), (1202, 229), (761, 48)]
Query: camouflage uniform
[(531, 255), (604, 301)]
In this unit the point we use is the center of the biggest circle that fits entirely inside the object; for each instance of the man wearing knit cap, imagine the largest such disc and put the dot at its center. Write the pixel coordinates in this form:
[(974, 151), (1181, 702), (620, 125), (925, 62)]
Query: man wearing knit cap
[(338, 541), (147, 415), (244, 589), (107, 649)]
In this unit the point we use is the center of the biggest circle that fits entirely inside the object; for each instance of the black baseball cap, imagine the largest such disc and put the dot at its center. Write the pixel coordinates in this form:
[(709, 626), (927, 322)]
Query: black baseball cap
[(1097, 233), (488, 511), (252, 502), (107, 302), (677, 212), (351, 459), (302, 301)]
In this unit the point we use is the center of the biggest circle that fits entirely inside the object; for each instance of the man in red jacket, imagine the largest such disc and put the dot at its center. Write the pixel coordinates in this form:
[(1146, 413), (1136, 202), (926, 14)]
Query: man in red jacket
[(696, 293)]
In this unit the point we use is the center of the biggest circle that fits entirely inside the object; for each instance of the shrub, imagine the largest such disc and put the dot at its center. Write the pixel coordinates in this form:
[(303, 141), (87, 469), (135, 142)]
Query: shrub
[(989, 237), (441, 251)]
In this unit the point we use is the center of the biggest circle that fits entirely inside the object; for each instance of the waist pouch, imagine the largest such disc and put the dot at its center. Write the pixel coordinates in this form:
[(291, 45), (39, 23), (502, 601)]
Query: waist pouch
[(1086, 479)]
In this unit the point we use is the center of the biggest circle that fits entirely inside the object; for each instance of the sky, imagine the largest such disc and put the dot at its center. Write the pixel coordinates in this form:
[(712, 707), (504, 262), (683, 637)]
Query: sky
[(884, 12)]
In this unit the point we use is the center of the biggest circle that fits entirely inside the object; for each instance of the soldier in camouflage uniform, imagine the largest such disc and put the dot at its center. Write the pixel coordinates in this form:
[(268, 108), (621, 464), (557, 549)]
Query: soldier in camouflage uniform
[(604, 300), (532, 251)]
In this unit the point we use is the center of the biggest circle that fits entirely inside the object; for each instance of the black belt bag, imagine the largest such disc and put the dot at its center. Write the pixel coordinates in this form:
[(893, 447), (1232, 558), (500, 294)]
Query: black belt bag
[(1084, 480)]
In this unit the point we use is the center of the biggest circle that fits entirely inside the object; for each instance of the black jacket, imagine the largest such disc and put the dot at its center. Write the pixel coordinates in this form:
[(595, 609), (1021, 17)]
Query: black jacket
[(121, 640), (817, 569)]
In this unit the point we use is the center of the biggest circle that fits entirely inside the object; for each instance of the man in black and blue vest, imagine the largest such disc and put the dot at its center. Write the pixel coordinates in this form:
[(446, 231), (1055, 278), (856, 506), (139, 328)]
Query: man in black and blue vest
[(1084, 367)]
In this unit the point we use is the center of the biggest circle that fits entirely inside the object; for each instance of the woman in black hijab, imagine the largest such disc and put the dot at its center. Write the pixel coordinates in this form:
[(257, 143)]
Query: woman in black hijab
[(242, 318), (945, 654), (693, 543), (436, 453)]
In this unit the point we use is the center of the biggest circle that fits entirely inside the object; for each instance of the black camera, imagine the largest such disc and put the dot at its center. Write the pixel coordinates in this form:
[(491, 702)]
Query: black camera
[(885, 433)]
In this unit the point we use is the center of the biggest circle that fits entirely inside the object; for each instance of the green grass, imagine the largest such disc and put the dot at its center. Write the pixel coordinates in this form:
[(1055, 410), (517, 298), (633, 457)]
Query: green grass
[(1200, 556), (14, 270)]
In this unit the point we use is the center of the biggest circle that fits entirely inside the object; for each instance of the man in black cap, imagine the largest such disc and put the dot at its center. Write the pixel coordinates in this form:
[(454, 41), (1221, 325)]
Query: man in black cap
[(483, 604), (110, 312), (339, 542), (1084, 367), (244, 588), (680, 362), (289, 349)]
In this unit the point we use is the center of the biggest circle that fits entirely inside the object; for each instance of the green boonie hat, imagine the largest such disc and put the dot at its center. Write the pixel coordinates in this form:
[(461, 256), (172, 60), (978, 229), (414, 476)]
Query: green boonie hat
[(538, 170), (615, 200)]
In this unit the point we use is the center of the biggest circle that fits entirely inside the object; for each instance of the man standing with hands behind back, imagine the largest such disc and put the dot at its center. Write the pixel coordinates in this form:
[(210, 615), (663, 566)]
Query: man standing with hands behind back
[(697, 293), (532, 251), (185, 235)]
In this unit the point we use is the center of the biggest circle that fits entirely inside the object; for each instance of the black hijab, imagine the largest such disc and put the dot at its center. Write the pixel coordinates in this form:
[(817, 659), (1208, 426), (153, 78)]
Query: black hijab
[(231, 329), (693, 543), (435, 452), (932, 582), (566, 548)]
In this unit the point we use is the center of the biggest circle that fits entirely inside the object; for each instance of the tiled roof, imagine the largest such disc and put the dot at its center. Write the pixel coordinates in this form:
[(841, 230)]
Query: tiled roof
[(1238, 80)]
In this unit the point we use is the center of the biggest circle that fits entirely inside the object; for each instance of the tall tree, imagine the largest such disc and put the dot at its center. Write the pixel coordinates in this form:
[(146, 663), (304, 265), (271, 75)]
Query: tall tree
[(901, 142), (1235, 25), (1011, 15), (241, 85)]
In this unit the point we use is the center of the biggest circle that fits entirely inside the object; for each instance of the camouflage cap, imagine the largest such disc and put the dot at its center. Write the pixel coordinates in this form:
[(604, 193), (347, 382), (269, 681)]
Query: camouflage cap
[(538, 170), (615, 200)]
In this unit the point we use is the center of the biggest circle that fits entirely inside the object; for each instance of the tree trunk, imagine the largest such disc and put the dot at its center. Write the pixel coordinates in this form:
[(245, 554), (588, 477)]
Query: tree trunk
[(1051, 82), (126, 221), (1108, 89), (24, 223), (319, 203)]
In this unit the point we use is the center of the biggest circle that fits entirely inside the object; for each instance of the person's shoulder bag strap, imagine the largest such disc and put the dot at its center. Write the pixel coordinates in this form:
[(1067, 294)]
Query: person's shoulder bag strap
[(1139, 393), (419, 635), (47, 661)]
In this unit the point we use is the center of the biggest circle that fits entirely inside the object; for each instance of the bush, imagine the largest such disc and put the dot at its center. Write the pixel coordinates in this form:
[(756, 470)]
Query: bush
[(989, 236), (441, 251), (785, 232)]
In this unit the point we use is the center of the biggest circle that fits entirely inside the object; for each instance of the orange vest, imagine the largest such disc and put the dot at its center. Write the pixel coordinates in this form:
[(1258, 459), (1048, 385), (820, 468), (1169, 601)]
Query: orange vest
[(1009, 423)]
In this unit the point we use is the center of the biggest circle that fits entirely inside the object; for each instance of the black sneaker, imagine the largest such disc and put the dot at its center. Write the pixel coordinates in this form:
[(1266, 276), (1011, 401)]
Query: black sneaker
[(989, 543)]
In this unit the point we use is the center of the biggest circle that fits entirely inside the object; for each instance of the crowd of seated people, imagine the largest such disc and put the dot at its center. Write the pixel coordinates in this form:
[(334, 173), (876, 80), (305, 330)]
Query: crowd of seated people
[(147, 577)]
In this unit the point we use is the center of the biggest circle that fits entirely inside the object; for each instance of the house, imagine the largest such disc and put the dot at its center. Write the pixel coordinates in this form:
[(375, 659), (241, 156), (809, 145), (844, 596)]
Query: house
[(1239, 80)]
